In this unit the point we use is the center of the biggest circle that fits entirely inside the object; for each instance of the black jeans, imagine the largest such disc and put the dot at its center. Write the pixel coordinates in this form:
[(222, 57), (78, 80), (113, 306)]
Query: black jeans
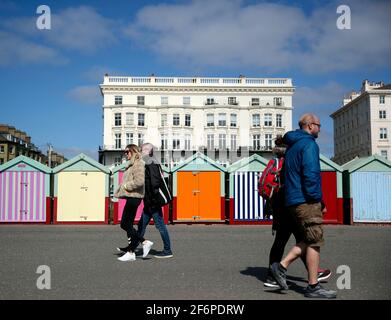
[(285, 227), (127, 220)]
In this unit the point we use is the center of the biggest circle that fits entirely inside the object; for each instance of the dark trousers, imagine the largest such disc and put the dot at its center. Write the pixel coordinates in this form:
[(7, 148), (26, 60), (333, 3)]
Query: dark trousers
[(285, 226), (127, 220)]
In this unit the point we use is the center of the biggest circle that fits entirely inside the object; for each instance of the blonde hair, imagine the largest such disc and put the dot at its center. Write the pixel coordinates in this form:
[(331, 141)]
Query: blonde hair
[(135, 150)]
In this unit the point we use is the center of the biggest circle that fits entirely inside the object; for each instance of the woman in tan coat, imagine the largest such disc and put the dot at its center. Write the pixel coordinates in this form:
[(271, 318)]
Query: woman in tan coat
[(132, 189)]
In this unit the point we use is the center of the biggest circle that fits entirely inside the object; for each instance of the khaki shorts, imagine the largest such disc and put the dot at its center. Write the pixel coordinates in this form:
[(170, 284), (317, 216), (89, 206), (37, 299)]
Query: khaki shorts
[(309, 218)]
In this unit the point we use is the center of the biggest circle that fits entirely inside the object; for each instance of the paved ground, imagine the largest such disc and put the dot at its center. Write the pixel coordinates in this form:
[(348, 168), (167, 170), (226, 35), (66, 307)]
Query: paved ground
[(211, 262)]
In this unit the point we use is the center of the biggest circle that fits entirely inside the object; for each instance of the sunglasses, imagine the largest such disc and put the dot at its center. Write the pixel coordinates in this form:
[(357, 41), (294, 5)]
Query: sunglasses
[(126, 151), (317, 124)]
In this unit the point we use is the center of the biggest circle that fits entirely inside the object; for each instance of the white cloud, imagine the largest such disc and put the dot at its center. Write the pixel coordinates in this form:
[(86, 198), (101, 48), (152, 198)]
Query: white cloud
[(86, 94), (79, 29), (264, 36), (15, 50)]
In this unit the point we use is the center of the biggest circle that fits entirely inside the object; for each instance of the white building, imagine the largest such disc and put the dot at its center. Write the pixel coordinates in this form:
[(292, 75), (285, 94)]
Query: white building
[(363, 124), (182, 115)]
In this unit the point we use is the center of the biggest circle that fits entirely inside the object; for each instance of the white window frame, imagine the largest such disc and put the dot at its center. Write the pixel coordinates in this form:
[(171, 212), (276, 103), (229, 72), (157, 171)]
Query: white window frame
[(163, 120), (141, 100), (176, 119), (210, 141), (222, 119), (186, 101), (279, 120), (382, 114), (256, 141), (210, 116), (140, 139), (117, 141), (383, 134), (129, 138), (255, 101), (187, 142), (129, 118), (187, 120), (232, 101), (268, 120), (256, 120), (141, 119), (277, 101), (117, 119), (164, 101), (384, 153), (222, 141), (382, 99), (233, 145), (233, 120), (268, 141), (118, 100)]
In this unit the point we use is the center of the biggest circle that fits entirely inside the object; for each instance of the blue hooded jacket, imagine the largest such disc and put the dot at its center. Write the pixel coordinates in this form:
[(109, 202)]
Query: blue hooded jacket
[(302, 169)]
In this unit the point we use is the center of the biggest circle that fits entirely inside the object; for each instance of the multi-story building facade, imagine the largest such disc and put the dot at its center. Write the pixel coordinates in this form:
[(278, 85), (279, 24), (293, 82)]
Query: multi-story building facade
[(218, 116), (362, 126), (14, 142)]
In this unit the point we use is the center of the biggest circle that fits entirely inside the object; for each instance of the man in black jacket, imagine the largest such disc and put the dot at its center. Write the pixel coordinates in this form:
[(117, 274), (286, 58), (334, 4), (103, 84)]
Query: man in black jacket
[(152, 208)]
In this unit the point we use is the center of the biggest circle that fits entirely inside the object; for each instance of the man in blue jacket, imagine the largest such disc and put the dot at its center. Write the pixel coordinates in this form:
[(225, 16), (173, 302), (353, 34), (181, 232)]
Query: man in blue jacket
[(303, 198)]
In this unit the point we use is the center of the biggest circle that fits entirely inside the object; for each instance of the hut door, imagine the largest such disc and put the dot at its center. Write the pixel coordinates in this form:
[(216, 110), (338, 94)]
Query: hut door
[(24, 193), (92, 196), (187, 195)]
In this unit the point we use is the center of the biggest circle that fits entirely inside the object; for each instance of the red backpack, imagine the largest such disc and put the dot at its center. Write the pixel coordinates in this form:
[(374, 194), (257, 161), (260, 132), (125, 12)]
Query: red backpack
[(270, 180)]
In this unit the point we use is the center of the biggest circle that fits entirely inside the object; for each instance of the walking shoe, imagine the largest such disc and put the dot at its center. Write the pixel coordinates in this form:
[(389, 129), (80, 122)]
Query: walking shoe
[(128, 257), (163, 255), (319, 292), (279, 275), (323, 274), (147, 245), (270, 282)]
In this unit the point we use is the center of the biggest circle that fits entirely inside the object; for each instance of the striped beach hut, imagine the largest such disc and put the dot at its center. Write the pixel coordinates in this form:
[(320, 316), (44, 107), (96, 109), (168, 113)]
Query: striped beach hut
[(246, 205), (199, 190), (81, 192), (119, 204), (367, 189), (332, 190), (25, 191)]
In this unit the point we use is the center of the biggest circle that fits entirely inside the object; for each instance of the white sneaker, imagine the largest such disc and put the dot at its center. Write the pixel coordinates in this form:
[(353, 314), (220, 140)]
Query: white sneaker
[(128, 257), (147, 245)]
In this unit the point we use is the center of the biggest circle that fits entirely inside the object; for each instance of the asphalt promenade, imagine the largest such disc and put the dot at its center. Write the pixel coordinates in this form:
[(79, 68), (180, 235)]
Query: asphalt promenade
[(210, 262)]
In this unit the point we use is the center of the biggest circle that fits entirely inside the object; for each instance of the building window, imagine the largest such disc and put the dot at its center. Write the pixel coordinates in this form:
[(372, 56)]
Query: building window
[(268, 141), (256, 120), (186, 101), (117, 119), (383, 133), (187, 142), (384, 153), (117, 141), (141, 119), (268, 119), (210, 141), (2, 149), (382, 99), (140, 100), (175, 119), (163, 120), (176, 144), (210, 122), (256, 142), (279, 120), (129, 118), (233, 141), (222, 142), (255, 101), (222, 119), (382, 114), (277, 101), (118, 100), (232, 101), (187, 120), (210, 101), (164, 101), (129, 138), (140, 139), (117, 161), (164, 142), (233, 120), (1, 160), (12, 149)]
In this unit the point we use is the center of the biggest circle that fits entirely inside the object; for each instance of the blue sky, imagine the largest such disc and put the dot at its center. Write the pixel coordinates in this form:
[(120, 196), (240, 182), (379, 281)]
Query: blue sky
[(49, 78)]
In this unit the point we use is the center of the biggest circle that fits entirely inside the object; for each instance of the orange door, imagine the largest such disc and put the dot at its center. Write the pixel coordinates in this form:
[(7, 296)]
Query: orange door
[(187, 203), (209, 196)]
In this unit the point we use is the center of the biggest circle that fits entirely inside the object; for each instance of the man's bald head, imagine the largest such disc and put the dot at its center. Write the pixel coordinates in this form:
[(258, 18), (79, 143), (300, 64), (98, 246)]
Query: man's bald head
[(306, 119), (310, 123)]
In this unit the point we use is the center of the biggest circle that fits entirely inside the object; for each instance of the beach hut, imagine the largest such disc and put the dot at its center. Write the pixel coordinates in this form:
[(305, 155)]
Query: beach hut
[(246, 205), (332, 190), (25, 191), (367, 186), (118, 204), (81, 192), (199, 190)]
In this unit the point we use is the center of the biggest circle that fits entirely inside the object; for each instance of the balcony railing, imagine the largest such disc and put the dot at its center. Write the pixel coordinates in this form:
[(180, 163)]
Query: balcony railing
[(198, 81)]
